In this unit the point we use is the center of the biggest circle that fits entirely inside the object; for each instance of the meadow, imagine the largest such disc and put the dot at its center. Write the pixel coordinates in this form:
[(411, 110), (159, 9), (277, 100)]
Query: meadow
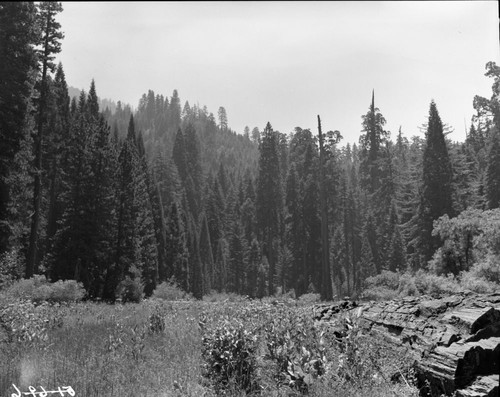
[(224, 345)]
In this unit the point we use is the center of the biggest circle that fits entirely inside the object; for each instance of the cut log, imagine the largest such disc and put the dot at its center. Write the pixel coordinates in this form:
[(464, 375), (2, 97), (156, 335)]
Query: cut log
[(483, 386), (455, 340)]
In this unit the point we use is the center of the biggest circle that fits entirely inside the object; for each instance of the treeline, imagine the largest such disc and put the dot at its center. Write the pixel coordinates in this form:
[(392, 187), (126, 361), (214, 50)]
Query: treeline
[(122, 200)]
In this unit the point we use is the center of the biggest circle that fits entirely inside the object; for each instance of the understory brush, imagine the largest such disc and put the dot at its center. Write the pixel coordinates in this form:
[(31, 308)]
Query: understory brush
[(278, 350), (38, 289), (483, 277)]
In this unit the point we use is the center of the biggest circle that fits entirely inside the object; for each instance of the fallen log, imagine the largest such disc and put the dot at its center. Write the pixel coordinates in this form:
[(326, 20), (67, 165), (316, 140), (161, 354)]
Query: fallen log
[(454, 340)]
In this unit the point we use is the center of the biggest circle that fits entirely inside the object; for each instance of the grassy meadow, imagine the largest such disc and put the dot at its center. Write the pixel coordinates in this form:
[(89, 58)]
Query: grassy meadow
[(226, 347)]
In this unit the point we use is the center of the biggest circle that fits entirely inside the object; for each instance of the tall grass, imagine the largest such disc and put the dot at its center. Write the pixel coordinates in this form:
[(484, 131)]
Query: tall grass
[(159, 348), (104, 350)]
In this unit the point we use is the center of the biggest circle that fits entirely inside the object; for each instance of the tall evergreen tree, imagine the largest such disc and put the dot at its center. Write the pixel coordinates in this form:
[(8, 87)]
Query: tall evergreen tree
[(437, 176), (58, 141), (177, 252), (371, 144), (206, 254), (269, 199), (326, 281), (51, 45), (493, 172), (82, 248), (18, 36), (136, 255)]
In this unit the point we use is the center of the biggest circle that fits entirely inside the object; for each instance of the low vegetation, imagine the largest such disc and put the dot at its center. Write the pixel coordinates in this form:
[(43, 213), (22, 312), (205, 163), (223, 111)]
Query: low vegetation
[(170, 346)]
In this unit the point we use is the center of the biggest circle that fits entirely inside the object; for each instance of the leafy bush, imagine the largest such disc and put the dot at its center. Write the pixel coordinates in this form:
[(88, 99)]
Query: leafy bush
[(407, 285), (483, 277), (11, 268), (157, 320), (26, 322), (383, 286), (39, 289), (467, 239), (489, 270), (310, 298), (477, 284), (229, 351), (170, 291), (297, 347), (379, 293), (430, 284), (387, 279), (130, 290)]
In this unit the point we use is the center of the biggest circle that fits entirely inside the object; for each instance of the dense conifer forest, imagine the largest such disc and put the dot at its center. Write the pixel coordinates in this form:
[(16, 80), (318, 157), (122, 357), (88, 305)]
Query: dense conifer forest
[(124, 200)]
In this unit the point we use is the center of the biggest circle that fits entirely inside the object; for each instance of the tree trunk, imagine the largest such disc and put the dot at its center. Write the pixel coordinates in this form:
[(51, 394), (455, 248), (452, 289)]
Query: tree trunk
[(455, 341), (33, 249)]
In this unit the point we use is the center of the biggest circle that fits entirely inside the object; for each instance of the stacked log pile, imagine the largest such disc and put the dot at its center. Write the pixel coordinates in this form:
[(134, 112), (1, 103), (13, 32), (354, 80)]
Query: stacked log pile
[(455, 340)]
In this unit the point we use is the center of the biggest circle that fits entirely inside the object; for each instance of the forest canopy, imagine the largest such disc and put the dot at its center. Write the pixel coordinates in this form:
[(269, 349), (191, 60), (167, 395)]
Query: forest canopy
[(122, 201)]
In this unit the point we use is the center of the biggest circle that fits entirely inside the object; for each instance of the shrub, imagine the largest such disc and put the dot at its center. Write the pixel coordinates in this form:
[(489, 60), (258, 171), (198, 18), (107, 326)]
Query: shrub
[(297, 347), (477, 284), (130, 290), (431, 284), (387, 279), (11, 268), (170, 291), (379, 293), (489, 269), (310, 298), (26, 322), (483, 277), (229, 351), (39, 289), (407, 285)]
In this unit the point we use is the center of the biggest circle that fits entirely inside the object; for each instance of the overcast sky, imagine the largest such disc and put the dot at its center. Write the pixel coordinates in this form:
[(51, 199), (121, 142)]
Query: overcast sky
[(286, 62)]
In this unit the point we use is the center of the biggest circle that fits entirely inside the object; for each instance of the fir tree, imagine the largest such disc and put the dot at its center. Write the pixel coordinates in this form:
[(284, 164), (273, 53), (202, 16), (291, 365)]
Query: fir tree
[(206, 254), (51, 36), (177, 253), (269, 199), (493, 172), (18, 36), (436, 197)]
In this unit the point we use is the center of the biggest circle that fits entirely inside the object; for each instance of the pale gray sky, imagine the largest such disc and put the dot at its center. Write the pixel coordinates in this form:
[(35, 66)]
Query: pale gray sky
[(286, 62)]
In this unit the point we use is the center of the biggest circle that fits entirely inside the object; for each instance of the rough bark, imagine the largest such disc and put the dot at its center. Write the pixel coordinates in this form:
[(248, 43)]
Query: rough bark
[(454, 340)]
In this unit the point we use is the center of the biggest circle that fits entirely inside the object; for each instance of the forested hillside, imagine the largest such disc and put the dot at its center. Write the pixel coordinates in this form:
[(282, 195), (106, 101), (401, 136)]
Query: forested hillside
[(124, 200)]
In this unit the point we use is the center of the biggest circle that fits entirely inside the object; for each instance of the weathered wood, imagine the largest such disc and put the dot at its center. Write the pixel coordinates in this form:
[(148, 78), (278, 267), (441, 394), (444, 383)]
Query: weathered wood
[(455, 340), (483, 386)]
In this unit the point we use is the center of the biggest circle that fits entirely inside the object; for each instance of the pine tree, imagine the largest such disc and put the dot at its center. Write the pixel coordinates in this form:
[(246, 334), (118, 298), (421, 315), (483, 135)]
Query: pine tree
[(221, 267), (51, 36), (371, 144), (18, 36), (366, 264), (222, 118), (177, 252), (396, 257), (82, 248), (136, 252), (326, 282), (269, 199), (206, 254), (58, 141), (436, 197), (253, 269), (194, 175), (179, 155), (493, 172), (196, 268)]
